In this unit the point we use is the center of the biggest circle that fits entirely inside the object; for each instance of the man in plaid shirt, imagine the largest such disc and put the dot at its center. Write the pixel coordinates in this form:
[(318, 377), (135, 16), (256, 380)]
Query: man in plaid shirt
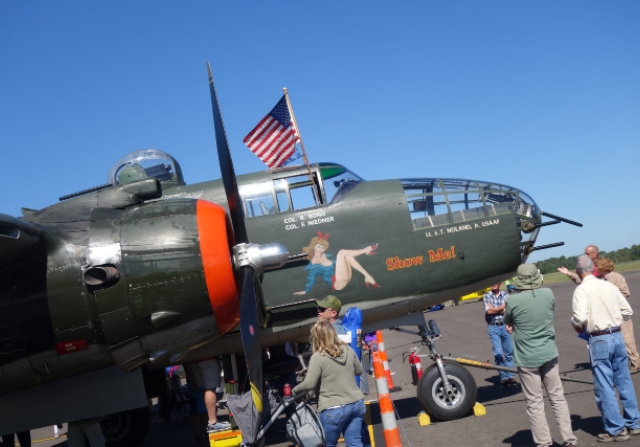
[(495, 302)]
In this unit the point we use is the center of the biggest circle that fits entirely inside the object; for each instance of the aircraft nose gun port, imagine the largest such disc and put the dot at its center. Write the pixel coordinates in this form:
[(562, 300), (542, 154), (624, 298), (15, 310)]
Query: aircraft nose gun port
[(528, 227)]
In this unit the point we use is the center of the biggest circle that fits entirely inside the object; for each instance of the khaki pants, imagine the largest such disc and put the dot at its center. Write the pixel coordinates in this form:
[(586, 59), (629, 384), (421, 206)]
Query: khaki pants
[(532, 380), (630, 342)]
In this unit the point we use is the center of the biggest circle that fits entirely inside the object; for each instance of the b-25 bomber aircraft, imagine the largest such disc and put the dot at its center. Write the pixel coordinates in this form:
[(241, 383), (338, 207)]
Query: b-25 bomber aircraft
[(101, 291)]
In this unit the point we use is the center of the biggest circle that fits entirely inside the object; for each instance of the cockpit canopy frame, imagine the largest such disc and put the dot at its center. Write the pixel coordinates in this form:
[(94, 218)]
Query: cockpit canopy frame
[(436, 202), (297, 188), (144, 164)]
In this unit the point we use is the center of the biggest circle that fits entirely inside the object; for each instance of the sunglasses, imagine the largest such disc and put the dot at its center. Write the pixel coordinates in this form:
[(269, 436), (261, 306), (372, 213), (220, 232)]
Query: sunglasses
[(322, 309)]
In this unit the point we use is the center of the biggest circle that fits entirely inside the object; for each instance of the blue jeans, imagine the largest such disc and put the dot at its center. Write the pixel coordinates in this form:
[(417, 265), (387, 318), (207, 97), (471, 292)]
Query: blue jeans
[(609, 365), (345, 419), (502, 348)]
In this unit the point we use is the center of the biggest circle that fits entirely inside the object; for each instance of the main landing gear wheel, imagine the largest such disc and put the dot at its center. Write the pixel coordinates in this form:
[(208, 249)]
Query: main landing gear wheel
[(127, 428), (435, 401)]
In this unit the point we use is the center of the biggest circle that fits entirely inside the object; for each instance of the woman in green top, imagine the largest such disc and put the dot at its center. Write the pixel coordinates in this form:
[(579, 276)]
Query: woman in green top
[(333, 367)]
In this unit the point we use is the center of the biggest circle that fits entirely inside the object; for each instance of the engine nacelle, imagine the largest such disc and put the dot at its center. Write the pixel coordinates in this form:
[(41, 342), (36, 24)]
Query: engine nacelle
[(176, 288), (141, 285)]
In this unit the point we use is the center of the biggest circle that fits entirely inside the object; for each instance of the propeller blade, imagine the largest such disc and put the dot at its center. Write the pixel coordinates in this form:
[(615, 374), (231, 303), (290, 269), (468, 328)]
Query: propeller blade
[(226, 168), (250, 332), (245, 274)]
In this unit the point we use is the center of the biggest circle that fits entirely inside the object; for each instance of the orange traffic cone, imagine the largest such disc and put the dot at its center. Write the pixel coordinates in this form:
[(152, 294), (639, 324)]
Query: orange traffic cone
[(389, 425), (385, 362)]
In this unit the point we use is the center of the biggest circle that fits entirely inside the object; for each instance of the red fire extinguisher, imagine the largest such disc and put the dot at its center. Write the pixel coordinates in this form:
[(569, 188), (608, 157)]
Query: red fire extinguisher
[(416, 367)]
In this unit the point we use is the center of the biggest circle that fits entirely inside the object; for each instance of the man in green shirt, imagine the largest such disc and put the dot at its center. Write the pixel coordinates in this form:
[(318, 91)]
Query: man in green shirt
[(529, 317)]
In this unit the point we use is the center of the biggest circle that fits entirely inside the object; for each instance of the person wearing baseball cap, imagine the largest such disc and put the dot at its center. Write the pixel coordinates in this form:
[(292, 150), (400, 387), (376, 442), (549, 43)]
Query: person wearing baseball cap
[(329, 309)]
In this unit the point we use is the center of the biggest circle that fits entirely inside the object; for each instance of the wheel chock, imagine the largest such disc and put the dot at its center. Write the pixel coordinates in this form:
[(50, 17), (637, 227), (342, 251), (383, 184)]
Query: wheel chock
[(479, 409), (424, 419), (226, 438)]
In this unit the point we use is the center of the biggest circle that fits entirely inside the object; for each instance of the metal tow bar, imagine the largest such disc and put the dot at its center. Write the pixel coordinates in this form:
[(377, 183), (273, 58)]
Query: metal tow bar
[(484, 365)]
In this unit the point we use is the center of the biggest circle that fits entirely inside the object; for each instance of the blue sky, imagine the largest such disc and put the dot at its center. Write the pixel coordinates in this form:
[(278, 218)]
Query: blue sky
[(543, 95)]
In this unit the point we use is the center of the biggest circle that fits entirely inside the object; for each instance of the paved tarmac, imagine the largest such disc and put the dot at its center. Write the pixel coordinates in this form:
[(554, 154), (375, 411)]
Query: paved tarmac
[(464, 333)]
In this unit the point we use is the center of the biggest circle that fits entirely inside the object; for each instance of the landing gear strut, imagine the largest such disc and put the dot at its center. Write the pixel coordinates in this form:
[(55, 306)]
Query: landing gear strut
[(446, 391)]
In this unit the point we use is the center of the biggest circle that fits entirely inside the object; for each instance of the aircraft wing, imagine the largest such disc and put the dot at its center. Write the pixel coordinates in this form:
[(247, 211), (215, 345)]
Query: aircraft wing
[(16, 238)]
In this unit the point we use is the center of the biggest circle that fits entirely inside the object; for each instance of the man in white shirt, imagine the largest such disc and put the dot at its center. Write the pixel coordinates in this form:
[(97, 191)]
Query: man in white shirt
[(599, 308)]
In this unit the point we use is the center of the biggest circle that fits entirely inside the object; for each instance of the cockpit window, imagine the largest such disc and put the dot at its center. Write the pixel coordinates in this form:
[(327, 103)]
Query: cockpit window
[(143, 164), (338, 182), (280, 195), (295, 190), (258, 199), (527, 207), (302, 191), (434, 202)]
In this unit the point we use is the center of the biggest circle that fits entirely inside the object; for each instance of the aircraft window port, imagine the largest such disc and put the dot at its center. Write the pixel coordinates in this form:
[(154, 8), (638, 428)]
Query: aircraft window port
[(282, 194), (160, 171), (499, 208), (259, 207), (302, 196), (146, 163), (470, 214), (258, 198), (301, 192), (435, 202), (266, 210), (344, 188), (131, 173), (338, 182)]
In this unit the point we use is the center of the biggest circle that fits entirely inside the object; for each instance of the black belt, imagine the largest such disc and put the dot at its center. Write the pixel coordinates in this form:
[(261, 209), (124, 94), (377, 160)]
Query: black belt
[(605, 332), (501, 323)]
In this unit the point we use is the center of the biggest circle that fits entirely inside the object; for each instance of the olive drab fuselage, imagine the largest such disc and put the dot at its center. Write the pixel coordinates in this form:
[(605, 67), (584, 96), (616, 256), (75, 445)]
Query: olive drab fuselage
[(140, 272)]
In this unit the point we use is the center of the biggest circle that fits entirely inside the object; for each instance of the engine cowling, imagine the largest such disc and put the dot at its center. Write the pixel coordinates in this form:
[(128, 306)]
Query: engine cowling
[(140, 285), (176, 288)]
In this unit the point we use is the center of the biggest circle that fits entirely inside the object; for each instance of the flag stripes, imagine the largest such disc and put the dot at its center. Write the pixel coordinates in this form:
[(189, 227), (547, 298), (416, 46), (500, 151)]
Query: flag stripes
[(274, 139)]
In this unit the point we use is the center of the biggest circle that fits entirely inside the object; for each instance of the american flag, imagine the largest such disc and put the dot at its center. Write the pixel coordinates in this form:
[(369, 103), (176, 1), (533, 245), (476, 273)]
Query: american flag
[(274, 139)]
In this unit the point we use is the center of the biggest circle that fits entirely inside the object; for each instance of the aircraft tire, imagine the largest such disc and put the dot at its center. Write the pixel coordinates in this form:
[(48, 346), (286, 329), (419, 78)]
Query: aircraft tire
[(433, 399), (127, 428)]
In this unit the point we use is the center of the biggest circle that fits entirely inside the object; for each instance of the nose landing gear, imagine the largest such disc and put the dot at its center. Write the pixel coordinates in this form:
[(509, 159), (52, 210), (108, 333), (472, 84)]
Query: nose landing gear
[(446, 391)]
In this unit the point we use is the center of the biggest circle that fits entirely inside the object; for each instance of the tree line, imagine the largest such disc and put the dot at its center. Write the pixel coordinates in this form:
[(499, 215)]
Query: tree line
[(621, 255)]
